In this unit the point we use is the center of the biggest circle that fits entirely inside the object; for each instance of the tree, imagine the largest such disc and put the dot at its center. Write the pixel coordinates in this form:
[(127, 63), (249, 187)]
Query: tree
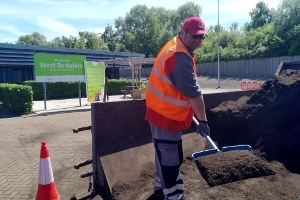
[(131, 29), (140, 30), (225, 37), (260, 15), (56, 42), (69, 42), (33, 39), (184, 11), (91, 40), (294, 48), (163, 28), (234, 26), (260, 42), (145, 30), (286, 22), (208, 51), (109, 36)]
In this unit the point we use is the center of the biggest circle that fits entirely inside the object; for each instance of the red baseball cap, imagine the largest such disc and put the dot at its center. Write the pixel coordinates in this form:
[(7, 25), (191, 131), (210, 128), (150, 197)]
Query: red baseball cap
[(194, 25)]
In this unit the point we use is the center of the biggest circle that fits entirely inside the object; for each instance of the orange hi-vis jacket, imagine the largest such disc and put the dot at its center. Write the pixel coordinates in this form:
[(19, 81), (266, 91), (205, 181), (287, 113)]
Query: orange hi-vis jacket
[(161, 95)]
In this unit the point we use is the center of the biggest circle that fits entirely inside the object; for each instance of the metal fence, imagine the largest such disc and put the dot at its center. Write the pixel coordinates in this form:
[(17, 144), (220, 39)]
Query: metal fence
[(237, 68)]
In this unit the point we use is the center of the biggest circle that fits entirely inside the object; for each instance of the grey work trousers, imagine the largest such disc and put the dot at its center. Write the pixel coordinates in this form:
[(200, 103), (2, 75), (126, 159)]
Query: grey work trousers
[(168, 158)]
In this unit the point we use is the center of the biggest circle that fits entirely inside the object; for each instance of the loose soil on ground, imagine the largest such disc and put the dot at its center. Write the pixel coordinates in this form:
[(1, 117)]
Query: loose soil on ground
[(269, 121)]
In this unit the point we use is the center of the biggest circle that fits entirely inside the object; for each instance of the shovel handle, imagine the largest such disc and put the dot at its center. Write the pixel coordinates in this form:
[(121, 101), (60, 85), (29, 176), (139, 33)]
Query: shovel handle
[(195, 121), (209, 140)]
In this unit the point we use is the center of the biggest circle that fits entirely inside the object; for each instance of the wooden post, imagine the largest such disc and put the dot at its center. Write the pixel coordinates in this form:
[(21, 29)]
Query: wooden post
[(106, 90)]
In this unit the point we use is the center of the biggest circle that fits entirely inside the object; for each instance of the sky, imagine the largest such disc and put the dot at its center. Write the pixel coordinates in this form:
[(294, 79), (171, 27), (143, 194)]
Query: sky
[(57, 18)]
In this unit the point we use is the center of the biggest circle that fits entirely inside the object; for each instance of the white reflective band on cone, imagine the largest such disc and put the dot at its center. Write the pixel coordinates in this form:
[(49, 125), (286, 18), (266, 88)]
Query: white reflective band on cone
[(46, 175)]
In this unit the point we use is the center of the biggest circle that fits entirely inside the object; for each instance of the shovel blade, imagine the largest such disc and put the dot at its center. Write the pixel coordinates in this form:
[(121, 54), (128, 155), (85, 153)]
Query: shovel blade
[(204, 153), (237, 147)]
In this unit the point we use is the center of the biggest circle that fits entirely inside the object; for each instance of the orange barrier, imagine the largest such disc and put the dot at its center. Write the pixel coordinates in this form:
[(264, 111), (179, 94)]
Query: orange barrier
[(46, 189), (254, 85)]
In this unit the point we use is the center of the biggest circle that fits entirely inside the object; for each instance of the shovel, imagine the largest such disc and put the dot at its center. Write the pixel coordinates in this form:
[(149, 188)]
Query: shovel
[(214, 149)]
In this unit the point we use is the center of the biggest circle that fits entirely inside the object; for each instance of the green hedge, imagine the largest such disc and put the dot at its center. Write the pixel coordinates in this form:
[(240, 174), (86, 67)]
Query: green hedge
[(57, 90), (64, 90), (18, 98), (115, 85)]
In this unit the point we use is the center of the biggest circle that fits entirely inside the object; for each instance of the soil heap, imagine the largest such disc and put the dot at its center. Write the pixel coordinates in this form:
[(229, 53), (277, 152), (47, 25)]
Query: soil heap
[(268, 120)]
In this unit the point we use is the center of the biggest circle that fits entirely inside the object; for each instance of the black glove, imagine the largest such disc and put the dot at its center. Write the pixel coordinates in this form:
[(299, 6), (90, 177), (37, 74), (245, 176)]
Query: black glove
[(203, 127)]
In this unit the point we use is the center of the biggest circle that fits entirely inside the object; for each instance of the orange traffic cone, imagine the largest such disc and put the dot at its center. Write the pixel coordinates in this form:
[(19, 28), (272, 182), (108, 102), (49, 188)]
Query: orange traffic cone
[(46, 188)]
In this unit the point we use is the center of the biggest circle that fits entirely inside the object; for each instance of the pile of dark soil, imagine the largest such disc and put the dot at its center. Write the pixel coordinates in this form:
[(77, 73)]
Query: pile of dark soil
[(227, 167), (268, 120)]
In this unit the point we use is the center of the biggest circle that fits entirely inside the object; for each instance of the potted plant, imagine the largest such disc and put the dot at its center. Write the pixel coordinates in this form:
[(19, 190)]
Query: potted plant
[(140, 92)]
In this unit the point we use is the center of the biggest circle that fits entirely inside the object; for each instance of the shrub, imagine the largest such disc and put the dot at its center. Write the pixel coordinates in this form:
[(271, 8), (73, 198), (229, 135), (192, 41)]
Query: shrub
[(18, 98), (115, 85), (64, 90), (57, 90)]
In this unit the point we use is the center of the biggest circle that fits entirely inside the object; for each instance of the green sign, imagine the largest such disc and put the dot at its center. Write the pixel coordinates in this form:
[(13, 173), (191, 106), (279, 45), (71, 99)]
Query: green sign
[(58, 68), (95, 80)]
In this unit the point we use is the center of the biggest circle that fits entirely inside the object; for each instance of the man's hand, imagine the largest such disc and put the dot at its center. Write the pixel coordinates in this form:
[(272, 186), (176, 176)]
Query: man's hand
[(203, 127)]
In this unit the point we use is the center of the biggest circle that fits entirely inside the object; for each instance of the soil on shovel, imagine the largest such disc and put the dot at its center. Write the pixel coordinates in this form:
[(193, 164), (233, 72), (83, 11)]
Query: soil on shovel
[(226, 167), (269, 121)]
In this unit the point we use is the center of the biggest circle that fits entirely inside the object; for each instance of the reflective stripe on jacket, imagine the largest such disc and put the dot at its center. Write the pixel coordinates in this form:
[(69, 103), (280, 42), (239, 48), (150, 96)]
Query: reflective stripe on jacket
[(161, 95)]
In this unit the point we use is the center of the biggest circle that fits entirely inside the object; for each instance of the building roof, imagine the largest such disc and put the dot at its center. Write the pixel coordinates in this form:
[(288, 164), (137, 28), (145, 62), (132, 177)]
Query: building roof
[(22, 55), (134, 62)]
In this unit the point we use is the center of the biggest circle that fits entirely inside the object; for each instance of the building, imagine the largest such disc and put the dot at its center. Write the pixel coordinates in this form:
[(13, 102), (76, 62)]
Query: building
[(17, 64)]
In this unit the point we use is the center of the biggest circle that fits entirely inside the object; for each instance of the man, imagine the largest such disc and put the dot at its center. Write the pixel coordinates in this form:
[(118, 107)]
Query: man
[(172, 97)]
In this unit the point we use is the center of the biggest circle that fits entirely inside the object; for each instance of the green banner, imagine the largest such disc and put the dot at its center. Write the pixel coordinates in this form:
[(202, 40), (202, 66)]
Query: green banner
[(95, 80), (58, 68)]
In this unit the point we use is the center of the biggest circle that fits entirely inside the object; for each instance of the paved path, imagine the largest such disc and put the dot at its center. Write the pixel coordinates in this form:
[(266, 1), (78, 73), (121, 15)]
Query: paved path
[(73, 104)]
